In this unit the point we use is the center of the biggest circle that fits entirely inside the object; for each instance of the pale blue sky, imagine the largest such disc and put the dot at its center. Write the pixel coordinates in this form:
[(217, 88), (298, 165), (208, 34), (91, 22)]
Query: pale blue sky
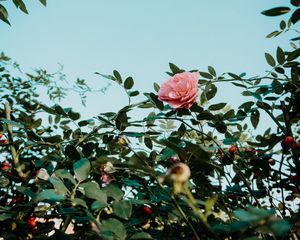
[(139, 38)]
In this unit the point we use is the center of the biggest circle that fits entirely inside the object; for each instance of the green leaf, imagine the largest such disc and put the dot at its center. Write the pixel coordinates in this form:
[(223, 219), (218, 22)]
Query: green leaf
[(216, 107), (277, 87), (79, 202), (114, 226), (64, 174), (58, 185), (295, 16), (49, 195), (4, 14), (128, 84), (20, 4), (234, 76), (276, 11), (82, 169), (122, 209), (98, 205), (72, 153), (211, 91), (121, 121), (254, 117), (280, 56), (140, 236), (113, 191), (270, 60), (212, 71), (175, 69), (44, 2), (295, 3), (156, 87), (280, 227), (206, 75), (117, 76), (92, 190), (148, 142)]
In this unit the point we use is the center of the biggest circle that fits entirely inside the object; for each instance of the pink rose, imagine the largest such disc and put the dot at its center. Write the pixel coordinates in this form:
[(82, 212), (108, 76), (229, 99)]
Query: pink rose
[(181, 90)]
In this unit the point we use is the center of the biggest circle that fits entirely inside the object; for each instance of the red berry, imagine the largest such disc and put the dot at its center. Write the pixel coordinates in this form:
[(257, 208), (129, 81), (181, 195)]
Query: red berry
[(5, 166), (32, 222), (295, 190), (293, 178), (232, 149), (289, 141), (231, 196), (1, 135), (271, 161), (220, 151), (254, 204), (296, 145), (147, 210), (14, 200), (3, 142)]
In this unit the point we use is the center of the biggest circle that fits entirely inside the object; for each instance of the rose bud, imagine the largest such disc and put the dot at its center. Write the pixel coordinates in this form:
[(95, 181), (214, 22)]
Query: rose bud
[(106, 178), (179, 174), (181, 90)]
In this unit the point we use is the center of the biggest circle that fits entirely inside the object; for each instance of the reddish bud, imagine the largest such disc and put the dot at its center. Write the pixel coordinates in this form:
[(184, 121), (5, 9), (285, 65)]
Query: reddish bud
[(289, 141), (254, 204), (295, 190), (3, 142), (147, 210), (220, 151), (13, 201), (5, 166), (1, 135), (231, 196), (232, 149), (296, 145), (271, 161), (293, 178)]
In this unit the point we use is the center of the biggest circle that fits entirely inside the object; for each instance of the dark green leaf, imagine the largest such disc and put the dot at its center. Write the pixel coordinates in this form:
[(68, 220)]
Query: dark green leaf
[(277, 87), (128, 84), (276, 11), (218, 106), (174, 68), (113, 191), (148, 142), (44, 2), (212, 71), (270, 59), (295, 3), (280, 56), (20, 4), (4, 14), (255, 117), (72, 152), (295, 16), (206, 75), (121, 121), (117, 76), (211, 92)]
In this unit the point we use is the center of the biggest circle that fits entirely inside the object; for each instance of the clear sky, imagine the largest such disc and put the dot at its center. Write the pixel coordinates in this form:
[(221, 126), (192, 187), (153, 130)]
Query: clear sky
[(139, 38)]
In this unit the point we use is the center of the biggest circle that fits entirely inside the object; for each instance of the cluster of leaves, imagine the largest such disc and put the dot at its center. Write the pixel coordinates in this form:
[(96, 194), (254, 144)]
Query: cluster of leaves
[(66, 177), (19, 5)]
